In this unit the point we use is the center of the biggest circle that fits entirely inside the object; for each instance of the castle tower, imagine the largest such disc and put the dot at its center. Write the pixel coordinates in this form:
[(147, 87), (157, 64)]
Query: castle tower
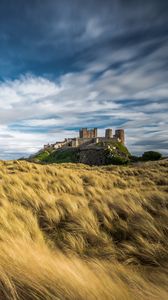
[(120, 134), (108, 133), (75, 142), (95, 132), (88, 134), (83, 133)]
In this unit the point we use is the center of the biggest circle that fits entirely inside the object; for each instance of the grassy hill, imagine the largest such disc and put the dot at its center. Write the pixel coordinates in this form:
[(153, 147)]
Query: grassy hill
[(73, 155), (56, 156), (71, 231)]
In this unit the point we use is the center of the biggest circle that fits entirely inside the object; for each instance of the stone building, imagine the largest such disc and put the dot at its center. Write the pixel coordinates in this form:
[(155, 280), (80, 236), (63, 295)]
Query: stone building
[(84, 133), (89, 138)]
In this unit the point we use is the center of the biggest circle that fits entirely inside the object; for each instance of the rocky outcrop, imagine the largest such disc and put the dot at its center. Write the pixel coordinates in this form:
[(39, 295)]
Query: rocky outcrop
[(92, 157)]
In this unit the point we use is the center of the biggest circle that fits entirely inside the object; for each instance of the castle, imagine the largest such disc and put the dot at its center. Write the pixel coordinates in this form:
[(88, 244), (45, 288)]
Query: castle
[(89, 138)]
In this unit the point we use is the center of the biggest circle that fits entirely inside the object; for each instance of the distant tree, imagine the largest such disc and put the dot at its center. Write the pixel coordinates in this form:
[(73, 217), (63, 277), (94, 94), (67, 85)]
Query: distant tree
[(151, 155)]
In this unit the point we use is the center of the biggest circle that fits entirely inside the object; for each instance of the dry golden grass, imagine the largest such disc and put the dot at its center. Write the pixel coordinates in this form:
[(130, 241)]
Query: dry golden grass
[(78, 232)]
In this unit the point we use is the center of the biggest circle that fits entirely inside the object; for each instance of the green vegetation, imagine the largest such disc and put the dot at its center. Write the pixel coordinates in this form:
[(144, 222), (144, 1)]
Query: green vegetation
[(62, 156), (123, 149), (56, 156), (119, 152), (42, 156), (116, 147), (151, 155), (147, 156), (116, 154), (134, 158), (116, 160)]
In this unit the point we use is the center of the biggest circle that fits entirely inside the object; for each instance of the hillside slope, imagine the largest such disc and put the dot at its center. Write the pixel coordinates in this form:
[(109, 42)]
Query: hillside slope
[(72, 231), (95, 154)]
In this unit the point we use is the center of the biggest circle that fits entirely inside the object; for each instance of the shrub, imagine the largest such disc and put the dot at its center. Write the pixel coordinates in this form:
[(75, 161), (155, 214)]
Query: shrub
[(123, 149), (111, 158), (118, 160), (151, 155), (135, 158)]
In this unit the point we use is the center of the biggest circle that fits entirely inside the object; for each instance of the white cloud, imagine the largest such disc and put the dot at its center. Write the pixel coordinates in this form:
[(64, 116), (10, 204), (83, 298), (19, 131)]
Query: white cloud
[(36, 110)]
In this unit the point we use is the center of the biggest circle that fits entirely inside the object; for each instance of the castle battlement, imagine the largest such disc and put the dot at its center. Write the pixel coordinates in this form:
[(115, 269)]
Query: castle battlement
[(84, 133), (90, 138)]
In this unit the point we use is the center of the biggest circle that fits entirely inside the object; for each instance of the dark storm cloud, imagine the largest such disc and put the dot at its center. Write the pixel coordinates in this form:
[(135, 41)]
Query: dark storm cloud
[(56, 36)]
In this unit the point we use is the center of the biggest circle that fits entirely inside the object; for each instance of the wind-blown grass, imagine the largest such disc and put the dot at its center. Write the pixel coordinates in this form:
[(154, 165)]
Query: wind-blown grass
[(72, 231)]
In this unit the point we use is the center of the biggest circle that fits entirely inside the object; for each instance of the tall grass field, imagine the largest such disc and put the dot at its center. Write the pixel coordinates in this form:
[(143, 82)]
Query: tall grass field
[(72, 232)]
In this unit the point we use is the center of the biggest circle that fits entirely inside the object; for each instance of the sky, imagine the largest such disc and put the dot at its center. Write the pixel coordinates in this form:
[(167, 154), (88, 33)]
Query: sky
[(71, 64)]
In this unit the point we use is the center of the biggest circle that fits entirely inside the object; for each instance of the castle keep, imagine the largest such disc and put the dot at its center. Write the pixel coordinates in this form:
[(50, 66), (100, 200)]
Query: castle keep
[(89, 138), (84, 133)]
